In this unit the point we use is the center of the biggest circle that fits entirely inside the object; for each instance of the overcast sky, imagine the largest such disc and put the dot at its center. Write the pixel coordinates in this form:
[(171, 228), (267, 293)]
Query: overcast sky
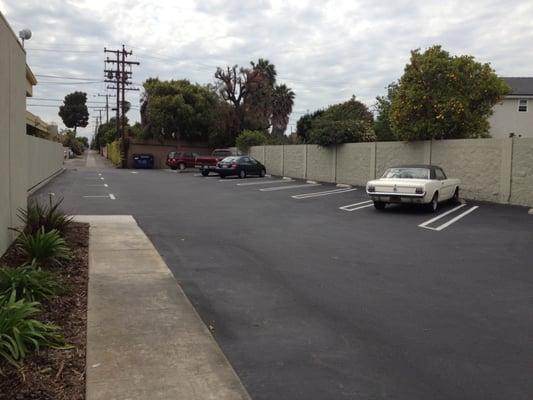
[(326, 51)]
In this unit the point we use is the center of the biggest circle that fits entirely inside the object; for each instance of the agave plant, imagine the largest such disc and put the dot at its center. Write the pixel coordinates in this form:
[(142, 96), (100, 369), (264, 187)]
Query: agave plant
[(44, 248), (36, 216), (20, 334), (28, 282)]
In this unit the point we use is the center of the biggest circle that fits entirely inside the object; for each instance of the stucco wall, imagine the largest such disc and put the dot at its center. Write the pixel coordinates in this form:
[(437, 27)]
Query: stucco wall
[(45, 159), (355, 163), (476, 162), (397, 153), (522, 172), (13, 151), (258, 152), (321, 163), (294, 163), (274, 160), (497, 170), (507, 119)]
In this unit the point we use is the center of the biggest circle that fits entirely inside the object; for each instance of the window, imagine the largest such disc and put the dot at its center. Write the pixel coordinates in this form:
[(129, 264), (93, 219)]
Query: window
[(439, 174), (522, 105), (406, 173)]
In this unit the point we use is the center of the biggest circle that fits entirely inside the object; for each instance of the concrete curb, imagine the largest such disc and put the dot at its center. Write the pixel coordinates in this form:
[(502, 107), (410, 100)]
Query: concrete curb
[(343, 185), (34, 188), (530, 211), (145, 340), (311, 181)]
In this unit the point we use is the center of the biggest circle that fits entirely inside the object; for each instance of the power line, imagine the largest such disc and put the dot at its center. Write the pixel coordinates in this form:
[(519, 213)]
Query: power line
[(68, 77)]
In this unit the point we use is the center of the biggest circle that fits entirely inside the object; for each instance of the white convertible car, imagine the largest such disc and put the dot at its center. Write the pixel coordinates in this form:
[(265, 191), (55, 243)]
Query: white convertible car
[(414, 184)]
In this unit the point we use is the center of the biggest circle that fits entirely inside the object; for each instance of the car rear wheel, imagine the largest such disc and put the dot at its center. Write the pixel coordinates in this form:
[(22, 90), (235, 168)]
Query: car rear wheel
[(242, 174), (379, 205), (205, 173), (181, 166), (455, 197), (262, 173), (434, 204)]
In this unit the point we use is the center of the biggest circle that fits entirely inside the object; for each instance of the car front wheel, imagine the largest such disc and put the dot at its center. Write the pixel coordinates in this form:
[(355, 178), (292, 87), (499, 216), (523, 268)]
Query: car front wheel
[(262, 173), (173, 168), (242, 174), (205, 173), (379, 205)]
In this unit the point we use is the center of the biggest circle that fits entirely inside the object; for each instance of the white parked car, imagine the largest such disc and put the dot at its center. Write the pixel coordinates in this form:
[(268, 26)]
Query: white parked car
[(414, 184)]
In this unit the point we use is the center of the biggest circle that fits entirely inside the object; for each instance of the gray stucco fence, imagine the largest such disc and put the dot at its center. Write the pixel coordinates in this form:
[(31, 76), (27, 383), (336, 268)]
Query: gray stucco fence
[(496, 170)]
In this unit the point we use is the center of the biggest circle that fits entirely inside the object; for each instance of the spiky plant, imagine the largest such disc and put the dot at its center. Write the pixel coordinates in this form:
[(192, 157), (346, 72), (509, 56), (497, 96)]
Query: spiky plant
[(20, 334), (44, 248), (28, 282), (36, 216)]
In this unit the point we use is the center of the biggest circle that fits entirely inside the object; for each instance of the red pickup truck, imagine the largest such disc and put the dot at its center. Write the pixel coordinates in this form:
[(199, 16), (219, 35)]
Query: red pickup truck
[(181, 159), (207, 164)]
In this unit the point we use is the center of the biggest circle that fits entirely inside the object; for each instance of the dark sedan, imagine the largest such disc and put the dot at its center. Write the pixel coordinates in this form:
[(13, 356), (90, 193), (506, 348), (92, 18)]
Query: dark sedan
[(240, 166)]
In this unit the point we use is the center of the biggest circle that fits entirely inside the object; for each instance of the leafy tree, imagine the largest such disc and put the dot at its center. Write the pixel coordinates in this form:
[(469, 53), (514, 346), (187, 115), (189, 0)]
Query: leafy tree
[(251, 94), (346, 122), (303, 125), (74, 112), (237, 86), (69, 139), (444, 97), (382, 125), (282, 103), (178, 109), (248, 139)]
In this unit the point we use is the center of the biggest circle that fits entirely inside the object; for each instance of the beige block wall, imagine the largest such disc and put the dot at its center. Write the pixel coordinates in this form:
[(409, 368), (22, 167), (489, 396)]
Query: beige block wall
[(13, 155), (321, 162), (294, 161), (476, 162), (356, 163), (522, 173), (507, 119), (45, 159), (390, 154), (258, 152), (274, 160)]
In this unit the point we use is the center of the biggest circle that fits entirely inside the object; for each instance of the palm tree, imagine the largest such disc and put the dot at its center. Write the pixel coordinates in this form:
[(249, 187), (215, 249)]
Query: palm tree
[(282, 102), (267, 69)]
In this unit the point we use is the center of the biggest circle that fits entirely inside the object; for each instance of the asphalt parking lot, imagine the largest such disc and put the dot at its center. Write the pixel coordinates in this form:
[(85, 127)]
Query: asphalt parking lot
[(314, 294)]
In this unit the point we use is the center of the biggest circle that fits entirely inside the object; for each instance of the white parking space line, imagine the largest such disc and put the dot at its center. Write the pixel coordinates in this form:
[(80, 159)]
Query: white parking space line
[(96, 196), (272, 189), (237, 179), (106, 185), (424, 224), (320, 194), (134, 172), (112, 196), (453, 220), (357, 206), (102, 178), (265, 182)]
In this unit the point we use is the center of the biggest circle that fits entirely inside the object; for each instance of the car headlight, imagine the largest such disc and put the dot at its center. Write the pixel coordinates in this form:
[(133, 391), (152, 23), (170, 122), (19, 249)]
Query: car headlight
[(419, 190), (371, 189)]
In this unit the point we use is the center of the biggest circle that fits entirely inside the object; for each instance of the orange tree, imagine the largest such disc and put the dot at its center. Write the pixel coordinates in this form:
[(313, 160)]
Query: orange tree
[(441, 96)]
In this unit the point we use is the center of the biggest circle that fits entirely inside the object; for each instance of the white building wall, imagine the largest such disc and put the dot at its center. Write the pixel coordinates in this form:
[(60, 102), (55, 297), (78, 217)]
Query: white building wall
[(507, 119)]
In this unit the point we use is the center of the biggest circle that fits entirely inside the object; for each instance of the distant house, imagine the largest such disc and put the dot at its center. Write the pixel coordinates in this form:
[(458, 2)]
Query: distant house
[(513, 117)]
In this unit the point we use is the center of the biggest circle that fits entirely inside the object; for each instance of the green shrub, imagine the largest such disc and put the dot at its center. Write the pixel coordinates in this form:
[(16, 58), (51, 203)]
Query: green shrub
[(248, 139), (44, 248), (28, 282), (19, 334), (113, 152), (37, 216)]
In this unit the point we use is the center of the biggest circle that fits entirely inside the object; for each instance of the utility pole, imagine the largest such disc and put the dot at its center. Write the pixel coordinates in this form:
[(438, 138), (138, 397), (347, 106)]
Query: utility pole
[(107, 96), (120, 77)]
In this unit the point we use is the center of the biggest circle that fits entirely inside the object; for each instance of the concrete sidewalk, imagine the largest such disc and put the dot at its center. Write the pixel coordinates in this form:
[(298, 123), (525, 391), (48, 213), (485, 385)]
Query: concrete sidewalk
[(144, 339)]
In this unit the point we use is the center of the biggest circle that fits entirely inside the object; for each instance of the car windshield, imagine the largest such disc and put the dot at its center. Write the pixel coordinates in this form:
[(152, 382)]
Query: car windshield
[(221, 153), (406, 173), (230, 159)]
